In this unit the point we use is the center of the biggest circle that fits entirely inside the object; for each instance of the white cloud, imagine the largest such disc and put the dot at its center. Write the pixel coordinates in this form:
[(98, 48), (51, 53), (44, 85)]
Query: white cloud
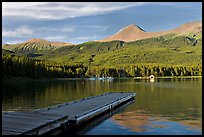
[(18, 32), (103, 28), (12, 40), (66, 29), (55, 37), (62, 10), (83, 38), (62, 29), (23, 30), (94, 26)]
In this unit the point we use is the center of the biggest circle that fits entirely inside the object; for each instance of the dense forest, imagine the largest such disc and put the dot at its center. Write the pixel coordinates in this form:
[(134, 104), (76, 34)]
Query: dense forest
[(21, 66)]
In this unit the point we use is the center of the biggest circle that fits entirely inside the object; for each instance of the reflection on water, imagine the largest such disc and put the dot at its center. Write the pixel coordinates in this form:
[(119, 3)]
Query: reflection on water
[(140, 121), (164, 106), (131, 120)]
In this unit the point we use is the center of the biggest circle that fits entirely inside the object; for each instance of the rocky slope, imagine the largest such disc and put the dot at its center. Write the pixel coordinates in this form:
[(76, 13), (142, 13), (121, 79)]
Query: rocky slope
[(134, 32), (35, 44)]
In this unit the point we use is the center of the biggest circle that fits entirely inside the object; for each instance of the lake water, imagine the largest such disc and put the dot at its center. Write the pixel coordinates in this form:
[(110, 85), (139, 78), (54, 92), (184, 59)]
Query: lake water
[(165, 106)]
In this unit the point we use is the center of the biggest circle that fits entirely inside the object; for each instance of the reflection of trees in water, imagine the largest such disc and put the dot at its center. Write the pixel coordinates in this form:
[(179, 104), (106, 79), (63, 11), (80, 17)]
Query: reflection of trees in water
[(19, 95), (169, 98), (39, 94)]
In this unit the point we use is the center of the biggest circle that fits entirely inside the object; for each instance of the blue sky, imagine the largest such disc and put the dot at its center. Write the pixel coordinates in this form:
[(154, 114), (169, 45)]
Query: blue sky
[(78, 22)]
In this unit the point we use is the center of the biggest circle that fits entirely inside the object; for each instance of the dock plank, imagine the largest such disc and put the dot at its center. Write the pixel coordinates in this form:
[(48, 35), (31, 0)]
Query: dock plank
[(32, 114), (29, 118), (19, 128), (6, 132), (31, 124)]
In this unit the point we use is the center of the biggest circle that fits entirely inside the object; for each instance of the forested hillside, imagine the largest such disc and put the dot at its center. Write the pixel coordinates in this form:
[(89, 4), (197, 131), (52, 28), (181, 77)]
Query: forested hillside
[(168, 55), (167, 50)]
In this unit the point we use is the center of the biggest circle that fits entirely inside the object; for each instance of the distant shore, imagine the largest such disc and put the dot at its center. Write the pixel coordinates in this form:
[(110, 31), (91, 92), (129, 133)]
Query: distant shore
[(27, 79), (169, 77)]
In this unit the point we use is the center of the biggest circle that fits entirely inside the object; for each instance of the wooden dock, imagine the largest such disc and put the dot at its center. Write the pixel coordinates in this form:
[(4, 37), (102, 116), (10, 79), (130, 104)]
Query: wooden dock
[(61, 116)]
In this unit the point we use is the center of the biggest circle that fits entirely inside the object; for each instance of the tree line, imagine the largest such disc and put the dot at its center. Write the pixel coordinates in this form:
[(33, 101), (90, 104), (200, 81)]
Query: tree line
[(21, 66), (144, 71)]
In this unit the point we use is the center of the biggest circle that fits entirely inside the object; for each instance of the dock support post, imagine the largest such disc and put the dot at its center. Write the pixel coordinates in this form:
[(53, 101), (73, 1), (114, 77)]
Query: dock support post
[(110, 110)]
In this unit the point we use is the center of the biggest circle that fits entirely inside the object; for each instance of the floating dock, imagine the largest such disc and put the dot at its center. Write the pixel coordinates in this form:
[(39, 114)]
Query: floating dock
[(61, 116)]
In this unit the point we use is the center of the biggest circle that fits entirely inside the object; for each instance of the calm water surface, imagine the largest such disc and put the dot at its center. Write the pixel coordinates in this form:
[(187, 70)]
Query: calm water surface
[(165, 106)]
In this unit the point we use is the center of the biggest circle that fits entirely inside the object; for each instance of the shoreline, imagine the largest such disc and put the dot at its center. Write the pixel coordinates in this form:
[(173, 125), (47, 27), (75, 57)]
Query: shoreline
[(169, 77), (27, 79)]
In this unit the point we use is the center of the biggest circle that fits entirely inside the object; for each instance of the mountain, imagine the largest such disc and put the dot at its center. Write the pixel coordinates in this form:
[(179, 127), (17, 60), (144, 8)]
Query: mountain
[(42, 41), (134, 32), (127, 34), (35, 44), (191, 27), (179, 46), (166, 49)]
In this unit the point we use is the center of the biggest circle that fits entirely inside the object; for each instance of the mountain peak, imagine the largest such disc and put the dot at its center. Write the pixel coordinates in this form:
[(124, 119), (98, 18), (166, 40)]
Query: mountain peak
[(37, 40), (128, 33), (133, 27)]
